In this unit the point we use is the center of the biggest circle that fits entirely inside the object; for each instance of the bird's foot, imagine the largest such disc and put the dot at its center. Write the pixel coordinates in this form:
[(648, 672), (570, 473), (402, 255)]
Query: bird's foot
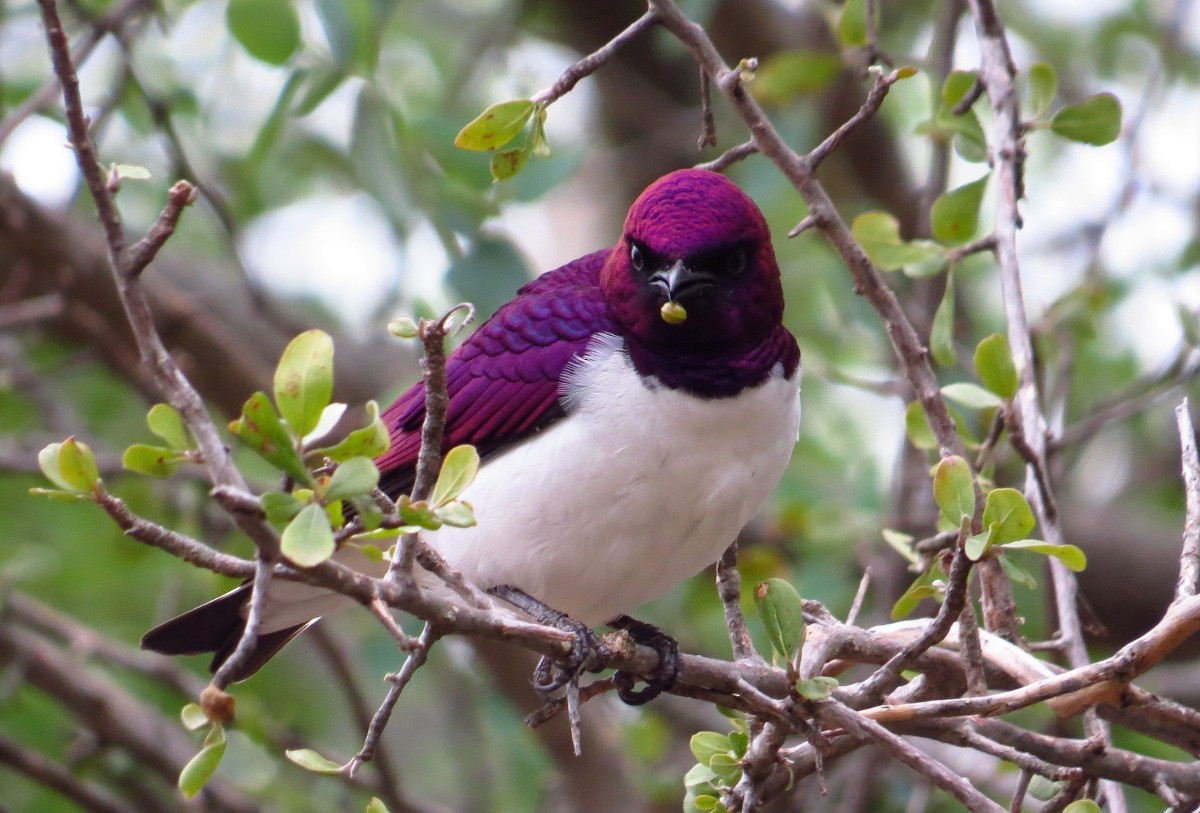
[(587, 654), (664, 675)]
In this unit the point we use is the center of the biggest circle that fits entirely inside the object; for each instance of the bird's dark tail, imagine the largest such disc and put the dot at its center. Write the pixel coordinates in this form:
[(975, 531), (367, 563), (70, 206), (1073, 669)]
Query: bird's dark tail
[(217, 627)]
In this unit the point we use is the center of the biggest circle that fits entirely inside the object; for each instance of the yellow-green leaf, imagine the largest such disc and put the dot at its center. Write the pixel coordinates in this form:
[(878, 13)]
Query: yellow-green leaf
[(200, 768), (310, 760), (954, 489), (165, 422), (496, 126), (994, 364), (304, 380), (1008, 514), (77, 465), (262, 430), (916, 426), (955, 214), (879, 235), (459, 468), (1069, 555), (352, 478), (782, 612), (971, 395), (1043, 84), (852, 23), (1095, 121), (157, 461), (507, 163), (268, 29), (308, 538), (193, 717), (941, 334), (370, 441)]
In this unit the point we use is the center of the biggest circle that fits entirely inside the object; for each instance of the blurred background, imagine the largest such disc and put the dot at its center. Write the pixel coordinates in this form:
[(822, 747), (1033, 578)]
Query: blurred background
[(320, 134)]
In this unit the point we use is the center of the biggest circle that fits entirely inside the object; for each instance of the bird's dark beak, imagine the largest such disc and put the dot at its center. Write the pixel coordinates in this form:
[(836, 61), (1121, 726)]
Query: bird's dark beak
[(678, 279)]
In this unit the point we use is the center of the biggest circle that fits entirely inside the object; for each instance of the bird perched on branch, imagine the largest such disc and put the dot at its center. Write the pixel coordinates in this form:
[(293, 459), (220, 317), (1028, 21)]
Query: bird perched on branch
[(633, 409)]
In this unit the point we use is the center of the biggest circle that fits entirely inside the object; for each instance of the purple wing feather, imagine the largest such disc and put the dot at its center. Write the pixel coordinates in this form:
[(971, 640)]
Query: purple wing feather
[(503, 381)]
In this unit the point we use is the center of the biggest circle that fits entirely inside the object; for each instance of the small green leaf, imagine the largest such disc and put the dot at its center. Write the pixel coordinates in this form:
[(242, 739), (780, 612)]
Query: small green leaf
[(916, 426), (978, 544), (954, 489), (1069, 555), (376, 805), (308, 539), (268, 29), (956, 85), (1044, 789), (507, 163), (699, 774), (941, 334), (902, 544), (456, 514), (541, 147), (60, 495), (708, 804), (419, 514), (921, 588), (971, 395), (1096, 120), (994, 363), (707, 744), (782, 612), (852, 23), (955, 214), (1007, 511), (76, 466), (48, 462), (879, 235), (1017, 573), (1082, 806), (157, 461), (304, 380), (193, 717), (496, 126), (740, 741), (403, 327), (786, 74), (352, 478), (1043, 84), (262, 430), (459, 468), (726, 767), (310, 760), (165, 422), (817, 689), (200, 768), (370, 441), (280, 507)]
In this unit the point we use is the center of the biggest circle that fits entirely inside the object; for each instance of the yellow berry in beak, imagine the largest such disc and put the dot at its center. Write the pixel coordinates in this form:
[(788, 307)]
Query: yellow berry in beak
[(673, 313)]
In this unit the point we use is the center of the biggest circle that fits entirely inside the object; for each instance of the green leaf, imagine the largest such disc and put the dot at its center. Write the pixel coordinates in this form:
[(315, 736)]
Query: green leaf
[(707, 744), (916, 426), (782, 612), (70, 465), (879, 235), (1069, 555), (352, 478), (308, 539), (268, 29), (817, 689), (1082, 806), (1096, 120), (200, 768), (978, 544), (955, 214), (280, 507), (496, 126), (971, 395), (1043, 84), (852, 23), (370, 441), (319, 84), (456, 514), (956, 86), (786, 74), (921, 588), (1044, 789), (157, 461), (1017, 573), (262, 430), (376, 805), (965, 129), (310, 760), (941, 334), (699, 774), (740, 741), (902, 544), (994, 364), (352, 32), (193, 717), (707, 803), (726, 767), (165, 422), (304, 380), (954, 489), (403, 327), (419, 514), (1007, 511), (507, 163), (459, 468)]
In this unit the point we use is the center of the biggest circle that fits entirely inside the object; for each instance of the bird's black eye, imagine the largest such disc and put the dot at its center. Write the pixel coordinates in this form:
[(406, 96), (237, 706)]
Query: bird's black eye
[(636, 258), (736, 261)]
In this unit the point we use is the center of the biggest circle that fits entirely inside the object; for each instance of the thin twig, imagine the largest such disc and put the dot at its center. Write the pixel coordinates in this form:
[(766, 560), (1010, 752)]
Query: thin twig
[(708, 128), (729, 588), (870, 106), (859, 597), (593, 61), (142, 252), (1189, 557), (730, 157)]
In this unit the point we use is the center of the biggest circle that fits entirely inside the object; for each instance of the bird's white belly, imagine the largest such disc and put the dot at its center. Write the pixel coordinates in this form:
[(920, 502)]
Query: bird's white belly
[(638, 488)]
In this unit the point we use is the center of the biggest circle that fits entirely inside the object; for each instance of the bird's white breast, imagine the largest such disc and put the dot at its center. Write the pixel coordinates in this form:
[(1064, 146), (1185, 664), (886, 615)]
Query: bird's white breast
[(638, 488)]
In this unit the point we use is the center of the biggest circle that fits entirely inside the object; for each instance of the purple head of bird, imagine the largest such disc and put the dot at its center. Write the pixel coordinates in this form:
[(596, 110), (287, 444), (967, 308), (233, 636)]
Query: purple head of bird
[(695, 239)]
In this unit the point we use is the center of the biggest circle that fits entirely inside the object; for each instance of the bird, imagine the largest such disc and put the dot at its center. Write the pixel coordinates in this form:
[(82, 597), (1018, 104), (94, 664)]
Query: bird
[(632, 409)]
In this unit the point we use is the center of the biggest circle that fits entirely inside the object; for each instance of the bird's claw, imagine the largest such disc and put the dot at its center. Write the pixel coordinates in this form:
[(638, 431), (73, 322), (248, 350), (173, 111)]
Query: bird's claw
[(664, 675)]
